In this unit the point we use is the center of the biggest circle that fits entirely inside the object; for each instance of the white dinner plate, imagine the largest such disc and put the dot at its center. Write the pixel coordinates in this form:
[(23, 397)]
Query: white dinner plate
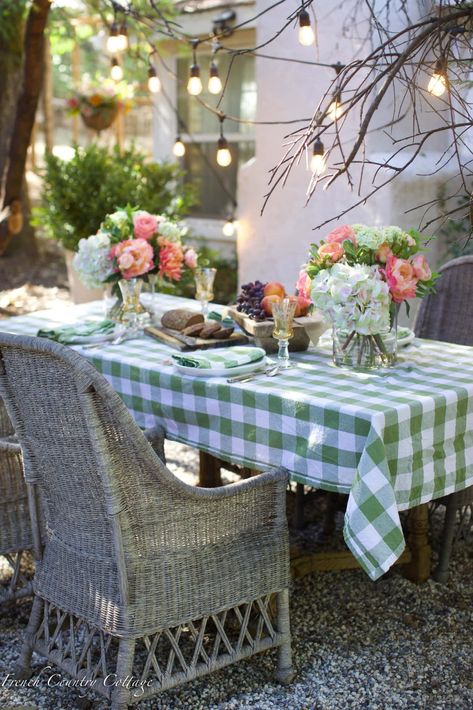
[(405, 336), (220, 372), (98, 337)]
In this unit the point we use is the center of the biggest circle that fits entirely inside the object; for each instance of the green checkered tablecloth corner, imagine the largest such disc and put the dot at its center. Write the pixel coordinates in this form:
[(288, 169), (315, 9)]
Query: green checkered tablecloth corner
[(391, 440)]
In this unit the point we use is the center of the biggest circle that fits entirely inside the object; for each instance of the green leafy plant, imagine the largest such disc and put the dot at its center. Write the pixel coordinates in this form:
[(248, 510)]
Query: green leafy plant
[(78, 193)]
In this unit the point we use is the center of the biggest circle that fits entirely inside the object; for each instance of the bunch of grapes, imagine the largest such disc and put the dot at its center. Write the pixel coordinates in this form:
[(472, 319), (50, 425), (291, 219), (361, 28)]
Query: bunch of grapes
[(249, 300)]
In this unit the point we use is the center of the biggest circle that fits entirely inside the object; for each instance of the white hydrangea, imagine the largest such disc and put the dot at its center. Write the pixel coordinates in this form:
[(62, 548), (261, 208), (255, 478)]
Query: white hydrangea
[(119, 218), (369, 237), (92, 261), (170, 230)]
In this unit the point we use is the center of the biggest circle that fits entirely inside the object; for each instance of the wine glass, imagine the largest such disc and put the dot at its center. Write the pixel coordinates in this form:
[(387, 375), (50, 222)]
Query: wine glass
[(283, 314), (204, 280)]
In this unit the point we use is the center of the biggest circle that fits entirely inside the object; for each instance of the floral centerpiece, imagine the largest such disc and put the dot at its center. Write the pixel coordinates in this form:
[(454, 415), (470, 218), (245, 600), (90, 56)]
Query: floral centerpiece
[(359, 276), (131, 246), (98, 103)]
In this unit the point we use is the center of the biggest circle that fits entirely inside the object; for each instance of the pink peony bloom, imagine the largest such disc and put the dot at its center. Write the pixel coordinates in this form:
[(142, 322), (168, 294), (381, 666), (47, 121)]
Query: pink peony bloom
[(401, 279), (332, 249), (303, 285), (340, 234), (421, 267), (383, 253), (190, 258), (171, 258), (134, 257), (145, 225)]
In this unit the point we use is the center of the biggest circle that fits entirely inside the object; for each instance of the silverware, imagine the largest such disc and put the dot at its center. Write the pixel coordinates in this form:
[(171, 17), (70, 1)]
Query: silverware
[(270, 371), (127, 335)]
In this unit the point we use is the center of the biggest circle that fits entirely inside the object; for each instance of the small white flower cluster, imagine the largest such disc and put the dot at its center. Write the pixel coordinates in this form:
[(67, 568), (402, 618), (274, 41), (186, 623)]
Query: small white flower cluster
[(374, 237), (92, 261), (170, 230), (353, 297)]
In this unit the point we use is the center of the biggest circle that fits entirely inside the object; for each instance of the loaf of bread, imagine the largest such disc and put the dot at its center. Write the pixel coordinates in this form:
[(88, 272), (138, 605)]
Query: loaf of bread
[(180, 318), (222, 334), (193, 330), (209, 329)]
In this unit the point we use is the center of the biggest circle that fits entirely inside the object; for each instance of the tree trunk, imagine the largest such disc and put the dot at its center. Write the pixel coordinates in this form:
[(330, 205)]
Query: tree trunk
[(11, 53), (25, 113)]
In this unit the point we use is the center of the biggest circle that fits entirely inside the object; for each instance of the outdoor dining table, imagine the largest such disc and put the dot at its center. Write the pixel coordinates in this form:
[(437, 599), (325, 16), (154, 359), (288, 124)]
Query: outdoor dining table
[(391, 440)]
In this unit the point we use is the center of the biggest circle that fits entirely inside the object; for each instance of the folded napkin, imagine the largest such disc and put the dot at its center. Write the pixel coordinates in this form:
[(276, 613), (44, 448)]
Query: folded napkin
[(78, 333), (220, 358)]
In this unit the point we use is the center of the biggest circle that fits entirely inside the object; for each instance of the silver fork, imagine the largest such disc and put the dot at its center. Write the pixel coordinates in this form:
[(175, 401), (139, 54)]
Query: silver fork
[(126, 335), (270, 371)]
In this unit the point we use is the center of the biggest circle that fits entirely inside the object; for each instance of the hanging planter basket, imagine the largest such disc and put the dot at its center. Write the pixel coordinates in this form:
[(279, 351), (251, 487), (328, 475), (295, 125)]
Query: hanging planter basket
[(101, 118)]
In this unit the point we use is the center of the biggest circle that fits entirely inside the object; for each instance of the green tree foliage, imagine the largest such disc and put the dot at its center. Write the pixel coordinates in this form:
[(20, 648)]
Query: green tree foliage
[(12, 15), (77, 194)]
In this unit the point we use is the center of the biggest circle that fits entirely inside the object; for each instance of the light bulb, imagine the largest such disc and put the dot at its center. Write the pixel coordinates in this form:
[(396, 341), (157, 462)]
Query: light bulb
[(112, 41), (116, 71), (229, 228), (215, 84), (317, 162), (437, 85), (224, 157), (335, 109), (154, 83), (122, 38), (306, 33), (179, 149), (194, 85)]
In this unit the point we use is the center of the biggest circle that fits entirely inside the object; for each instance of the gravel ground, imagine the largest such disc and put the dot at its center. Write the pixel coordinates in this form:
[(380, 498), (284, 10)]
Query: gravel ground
[(357, 644)]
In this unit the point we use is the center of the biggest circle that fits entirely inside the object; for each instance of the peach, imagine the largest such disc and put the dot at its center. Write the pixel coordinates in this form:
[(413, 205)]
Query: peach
[(267, 303), (274, 288), (302, 305)]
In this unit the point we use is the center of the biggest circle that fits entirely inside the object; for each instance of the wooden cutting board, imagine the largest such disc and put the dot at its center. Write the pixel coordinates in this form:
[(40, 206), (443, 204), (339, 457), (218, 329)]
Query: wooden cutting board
[(184, 343)]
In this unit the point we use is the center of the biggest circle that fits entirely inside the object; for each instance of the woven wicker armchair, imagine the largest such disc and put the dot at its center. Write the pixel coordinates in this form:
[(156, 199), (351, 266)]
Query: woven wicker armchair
[(448, 315), (15, 526), (141, 575)]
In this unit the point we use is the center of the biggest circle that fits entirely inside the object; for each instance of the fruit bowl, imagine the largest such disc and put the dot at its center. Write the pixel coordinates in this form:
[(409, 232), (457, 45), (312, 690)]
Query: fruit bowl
[(307, 329)]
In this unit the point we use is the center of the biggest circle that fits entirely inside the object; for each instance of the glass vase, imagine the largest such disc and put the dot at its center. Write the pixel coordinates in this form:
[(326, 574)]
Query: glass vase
[(365, 352), (129, 311)]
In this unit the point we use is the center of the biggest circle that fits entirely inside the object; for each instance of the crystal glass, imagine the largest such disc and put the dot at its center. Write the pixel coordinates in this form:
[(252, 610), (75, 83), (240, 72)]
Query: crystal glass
[(283, 314), (204, 278)]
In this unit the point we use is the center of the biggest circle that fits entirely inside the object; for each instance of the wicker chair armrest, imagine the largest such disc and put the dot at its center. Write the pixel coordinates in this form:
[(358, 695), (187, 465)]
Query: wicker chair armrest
[(10, 444)]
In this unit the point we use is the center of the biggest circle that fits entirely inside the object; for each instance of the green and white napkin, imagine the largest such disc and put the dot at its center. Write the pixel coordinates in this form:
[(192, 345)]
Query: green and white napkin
[(69, 334), (220, 358)]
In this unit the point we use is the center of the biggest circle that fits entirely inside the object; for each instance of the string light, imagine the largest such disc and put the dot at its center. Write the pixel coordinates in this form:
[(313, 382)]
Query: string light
[(230, 227), (224, 157), (116, 71), (335, 109), (306, 33), (194, 85), (122, 37), (438, 82), (179, 149), (317, 162), (215, 83), (112, 41), (154, 83)]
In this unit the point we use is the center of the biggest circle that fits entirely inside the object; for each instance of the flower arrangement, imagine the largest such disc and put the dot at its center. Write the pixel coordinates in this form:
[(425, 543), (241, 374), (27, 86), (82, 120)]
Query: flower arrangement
[(359, 276), (133, 243), (99, 102)]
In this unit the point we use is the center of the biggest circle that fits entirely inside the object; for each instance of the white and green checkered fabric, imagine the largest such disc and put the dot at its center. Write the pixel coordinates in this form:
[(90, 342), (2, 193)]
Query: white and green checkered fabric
[(390, 440)]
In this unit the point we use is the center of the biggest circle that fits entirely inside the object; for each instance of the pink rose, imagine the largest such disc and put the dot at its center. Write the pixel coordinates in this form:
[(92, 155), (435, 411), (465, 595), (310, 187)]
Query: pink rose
[(401, 279), (334, 250), (134, 257), (303, 285), (171, 258), (145, 225), (421, 267), (340, 234), (190, 258), (383, 253)]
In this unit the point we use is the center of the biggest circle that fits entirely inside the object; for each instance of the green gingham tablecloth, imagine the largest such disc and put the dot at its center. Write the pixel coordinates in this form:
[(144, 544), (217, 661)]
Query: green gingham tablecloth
[(390, 440)]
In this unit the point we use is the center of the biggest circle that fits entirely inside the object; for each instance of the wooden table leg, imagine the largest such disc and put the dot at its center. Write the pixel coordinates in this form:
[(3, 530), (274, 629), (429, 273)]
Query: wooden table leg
[(419, 568), (209, 471), (299, 508)]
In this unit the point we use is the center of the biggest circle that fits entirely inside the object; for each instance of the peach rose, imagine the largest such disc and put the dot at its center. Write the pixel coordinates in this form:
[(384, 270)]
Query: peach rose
[(171, 258), (145, 225), (401, 279), (134, 257), (421, 267), (334, 250), (383, 253), (190, 258), (340, 234), (303, 285)]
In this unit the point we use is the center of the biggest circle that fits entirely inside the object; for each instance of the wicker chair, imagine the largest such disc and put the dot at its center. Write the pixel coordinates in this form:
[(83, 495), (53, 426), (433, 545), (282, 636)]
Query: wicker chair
[(448, 315), (141, 575), (15, 526)]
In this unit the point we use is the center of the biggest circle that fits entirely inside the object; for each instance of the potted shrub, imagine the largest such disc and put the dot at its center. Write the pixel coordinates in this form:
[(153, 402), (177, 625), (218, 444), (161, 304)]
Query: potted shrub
[(77, 194)]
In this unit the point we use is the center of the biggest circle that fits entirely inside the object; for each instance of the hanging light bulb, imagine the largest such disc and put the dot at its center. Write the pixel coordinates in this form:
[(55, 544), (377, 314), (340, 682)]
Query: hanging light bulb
[(179, 149), (116, 71), (112, 41), (122, 37), (335, 109), (230, 227), (154, 83), (438, 82), (215, 83), (194, 85), (317, 162), (306, 33), (224, 157)]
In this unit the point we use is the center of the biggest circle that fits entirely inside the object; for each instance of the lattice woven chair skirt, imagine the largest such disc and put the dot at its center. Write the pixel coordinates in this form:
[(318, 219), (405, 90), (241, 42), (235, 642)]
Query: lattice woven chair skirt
[(15, 527), (140, 574)]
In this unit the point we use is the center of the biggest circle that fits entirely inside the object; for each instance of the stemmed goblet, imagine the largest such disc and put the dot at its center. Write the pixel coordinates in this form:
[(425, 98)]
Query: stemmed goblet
[(283, 314), (204, 281)]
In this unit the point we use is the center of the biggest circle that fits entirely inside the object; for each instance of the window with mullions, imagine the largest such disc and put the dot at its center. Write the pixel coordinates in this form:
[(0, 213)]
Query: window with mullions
[(216, 186)]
